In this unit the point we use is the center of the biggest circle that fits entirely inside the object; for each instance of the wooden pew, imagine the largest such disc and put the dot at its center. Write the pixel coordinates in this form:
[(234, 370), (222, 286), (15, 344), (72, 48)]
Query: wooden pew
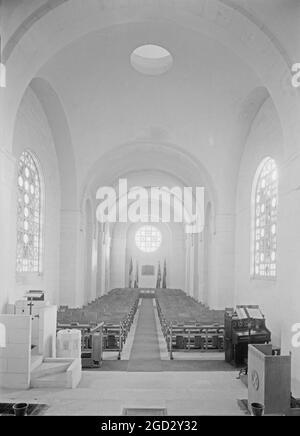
[(115, 311), (188, 325), (192, 337)]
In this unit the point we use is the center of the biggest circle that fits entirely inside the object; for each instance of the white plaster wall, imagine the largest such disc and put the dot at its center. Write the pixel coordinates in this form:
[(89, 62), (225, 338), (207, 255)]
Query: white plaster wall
[(33, 133), (119, 271), (265, 139), (7, 227), (47, 331), (15, 358), (70, 237)]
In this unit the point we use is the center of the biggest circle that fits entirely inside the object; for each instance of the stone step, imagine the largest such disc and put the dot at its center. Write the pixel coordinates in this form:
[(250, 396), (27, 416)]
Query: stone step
[(36, 360), (50, 367), (57, 373), (59, 380)]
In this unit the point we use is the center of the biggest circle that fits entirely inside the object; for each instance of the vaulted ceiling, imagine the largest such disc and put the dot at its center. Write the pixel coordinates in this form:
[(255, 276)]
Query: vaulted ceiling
[(205, 104)]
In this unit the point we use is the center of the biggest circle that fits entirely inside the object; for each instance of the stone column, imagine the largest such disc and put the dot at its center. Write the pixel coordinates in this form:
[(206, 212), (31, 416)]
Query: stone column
[(201, 268), (191, 267), (187, 262), (222, 268), (196, 266), (71, 270), (99, 260)]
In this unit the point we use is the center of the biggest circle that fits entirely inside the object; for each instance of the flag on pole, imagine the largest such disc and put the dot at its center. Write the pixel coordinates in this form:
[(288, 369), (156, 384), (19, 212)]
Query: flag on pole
[(164, 280), (130, 273), (158, 281), (136, 282)]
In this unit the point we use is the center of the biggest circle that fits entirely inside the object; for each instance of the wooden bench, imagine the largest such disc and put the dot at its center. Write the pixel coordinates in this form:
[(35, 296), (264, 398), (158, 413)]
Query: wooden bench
[(115, 311), (188, 325)]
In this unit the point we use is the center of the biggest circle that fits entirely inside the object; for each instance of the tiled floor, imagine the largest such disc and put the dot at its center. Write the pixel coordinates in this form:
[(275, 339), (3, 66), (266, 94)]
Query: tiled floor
[(197, 393)]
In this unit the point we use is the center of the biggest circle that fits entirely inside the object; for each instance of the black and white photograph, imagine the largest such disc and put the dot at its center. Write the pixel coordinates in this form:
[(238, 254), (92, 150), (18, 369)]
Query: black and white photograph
[(149, 211)]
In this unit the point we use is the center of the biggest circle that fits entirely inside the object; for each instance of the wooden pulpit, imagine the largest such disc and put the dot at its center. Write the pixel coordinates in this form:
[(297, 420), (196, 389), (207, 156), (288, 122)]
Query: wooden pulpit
[(269, 379)]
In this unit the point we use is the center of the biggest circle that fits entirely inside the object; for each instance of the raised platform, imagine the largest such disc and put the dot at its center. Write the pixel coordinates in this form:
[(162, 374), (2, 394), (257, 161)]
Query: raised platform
[(56, 373)]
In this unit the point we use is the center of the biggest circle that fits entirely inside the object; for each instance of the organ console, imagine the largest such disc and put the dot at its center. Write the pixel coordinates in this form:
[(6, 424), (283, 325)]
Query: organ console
[(243, 326)]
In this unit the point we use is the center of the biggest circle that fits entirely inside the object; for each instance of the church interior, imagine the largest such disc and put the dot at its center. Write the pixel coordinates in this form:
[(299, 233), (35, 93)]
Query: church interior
[(143, 317)]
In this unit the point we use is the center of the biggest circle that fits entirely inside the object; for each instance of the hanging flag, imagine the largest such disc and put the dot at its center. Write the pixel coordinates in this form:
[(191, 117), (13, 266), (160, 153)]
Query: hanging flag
[(130, 273), (164, 281), (136, 282), (158, 281)]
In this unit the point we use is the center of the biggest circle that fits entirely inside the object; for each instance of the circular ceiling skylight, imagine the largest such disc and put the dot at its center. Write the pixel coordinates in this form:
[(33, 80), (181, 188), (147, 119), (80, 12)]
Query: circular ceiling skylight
[(151, 59)]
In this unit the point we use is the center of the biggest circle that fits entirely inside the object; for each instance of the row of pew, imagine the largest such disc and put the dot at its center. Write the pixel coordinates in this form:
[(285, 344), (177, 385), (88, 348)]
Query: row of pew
[(188, 325), (104, 323)]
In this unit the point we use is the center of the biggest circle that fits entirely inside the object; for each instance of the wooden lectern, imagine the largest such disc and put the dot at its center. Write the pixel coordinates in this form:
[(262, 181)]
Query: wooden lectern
[(269, 379)]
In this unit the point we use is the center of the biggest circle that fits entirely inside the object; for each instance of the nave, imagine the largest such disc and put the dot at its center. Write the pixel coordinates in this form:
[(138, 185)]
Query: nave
[(150, 154), (147, 349), (185, 324)]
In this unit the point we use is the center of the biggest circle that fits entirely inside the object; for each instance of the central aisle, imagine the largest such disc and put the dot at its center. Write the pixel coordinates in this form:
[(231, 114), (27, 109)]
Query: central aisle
[(145, 350)]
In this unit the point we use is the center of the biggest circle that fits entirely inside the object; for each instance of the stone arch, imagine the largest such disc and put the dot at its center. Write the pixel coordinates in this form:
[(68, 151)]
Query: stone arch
[(144, 156), (222, 20), (47, 7), (168, 160), (58, 123)]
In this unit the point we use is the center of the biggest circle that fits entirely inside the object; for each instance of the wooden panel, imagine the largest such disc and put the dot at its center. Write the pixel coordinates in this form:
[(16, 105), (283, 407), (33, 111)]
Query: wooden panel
[(269, 379)]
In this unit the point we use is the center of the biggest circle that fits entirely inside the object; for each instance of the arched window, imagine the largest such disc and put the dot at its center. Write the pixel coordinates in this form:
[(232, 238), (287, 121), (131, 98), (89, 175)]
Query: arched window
[(29, 217), (265, 204)]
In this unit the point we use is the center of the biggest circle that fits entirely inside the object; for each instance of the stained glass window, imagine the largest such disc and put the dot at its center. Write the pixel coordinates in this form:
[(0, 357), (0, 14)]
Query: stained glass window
[(265, 220), (28, 215), (148, 239)]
